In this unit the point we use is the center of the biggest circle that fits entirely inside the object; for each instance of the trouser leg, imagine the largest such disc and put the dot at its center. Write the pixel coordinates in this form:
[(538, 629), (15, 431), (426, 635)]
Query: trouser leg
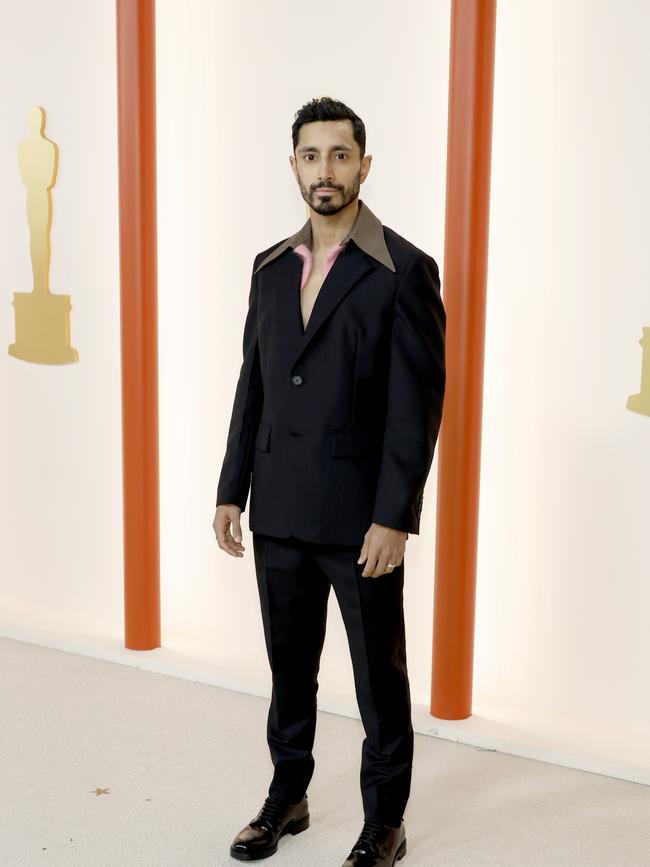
[(373, 614), (293, 598)]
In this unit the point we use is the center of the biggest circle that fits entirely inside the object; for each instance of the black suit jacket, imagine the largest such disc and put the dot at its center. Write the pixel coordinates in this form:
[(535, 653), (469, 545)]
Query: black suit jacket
[(337, 423)]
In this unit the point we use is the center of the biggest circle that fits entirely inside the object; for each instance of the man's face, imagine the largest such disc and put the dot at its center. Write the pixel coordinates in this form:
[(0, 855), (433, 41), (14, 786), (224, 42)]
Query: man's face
[(328, 165)]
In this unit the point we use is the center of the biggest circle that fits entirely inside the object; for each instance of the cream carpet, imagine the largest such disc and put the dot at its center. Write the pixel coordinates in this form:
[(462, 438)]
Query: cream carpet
[(186, 765)]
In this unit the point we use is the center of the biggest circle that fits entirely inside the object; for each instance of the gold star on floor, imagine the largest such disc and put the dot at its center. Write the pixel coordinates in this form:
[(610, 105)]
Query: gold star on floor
[(100, 791)]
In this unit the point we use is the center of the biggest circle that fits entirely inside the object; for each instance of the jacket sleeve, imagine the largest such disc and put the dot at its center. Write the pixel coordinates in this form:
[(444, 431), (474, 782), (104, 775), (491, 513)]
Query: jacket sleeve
[(235, 477), (415, 394)]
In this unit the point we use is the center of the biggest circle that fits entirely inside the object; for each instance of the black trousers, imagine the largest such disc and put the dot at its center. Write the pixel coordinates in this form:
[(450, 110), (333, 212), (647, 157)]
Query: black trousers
[(294, 579)]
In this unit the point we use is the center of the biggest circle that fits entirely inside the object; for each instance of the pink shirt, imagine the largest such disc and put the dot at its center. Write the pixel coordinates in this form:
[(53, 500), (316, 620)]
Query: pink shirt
[(307, 259)]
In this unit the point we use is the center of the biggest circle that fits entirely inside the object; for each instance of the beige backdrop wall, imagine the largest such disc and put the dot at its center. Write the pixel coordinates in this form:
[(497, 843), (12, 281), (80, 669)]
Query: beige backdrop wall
[(562, 648), (562, 644), (60, 436)]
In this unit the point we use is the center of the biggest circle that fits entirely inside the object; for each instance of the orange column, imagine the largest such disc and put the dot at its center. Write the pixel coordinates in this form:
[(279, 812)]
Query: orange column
[(136, 102), (469, 145)]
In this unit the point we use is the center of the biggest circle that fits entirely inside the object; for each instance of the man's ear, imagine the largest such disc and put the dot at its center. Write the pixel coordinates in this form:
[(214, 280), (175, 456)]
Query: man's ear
[(365, 166)]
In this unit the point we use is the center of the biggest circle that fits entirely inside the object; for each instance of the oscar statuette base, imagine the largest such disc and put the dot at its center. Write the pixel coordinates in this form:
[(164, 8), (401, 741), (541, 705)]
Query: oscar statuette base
[(43, 328)]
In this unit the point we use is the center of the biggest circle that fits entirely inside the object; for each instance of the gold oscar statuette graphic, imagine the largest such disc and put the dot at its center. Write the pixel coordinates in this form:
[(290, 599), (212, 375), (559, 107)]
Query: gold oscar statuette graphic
[(42, 318), (641, 402)]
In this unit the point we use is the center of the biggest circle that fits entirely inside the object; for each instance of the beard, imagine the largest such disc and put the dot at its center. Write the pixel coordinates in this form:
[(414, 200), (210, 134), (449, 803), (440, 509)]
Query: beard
[(333, 202)]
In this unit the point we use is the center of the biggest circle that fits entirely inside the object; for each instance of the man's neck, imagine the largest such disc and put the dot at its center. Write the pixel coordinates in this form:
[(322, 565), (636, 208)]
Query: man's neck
[(329, 229)]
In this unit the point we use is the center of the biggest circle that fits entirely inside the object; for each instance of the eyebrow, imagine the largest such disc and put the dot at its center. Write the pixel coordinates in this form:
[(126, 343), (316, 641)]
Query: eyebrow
[(337, 147)]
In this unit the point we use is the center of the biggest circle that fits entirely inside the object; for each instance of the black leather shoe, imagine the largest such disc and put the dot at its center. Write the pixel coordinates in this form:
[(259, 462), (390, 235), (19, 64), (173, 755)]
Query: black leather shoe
[(259, 838), (378, 845)]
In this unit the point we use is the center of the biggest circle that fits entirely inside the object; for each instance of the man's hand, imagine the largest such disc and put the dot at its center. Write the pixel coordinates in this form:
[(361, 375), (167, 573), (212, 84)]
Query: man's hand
[(382, 545), (227, 515)]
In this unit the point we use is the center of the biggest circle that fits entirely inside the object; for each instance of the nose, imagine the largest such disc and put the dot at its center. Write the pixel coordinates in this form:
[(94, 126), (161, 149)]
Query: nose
[(325, 171)]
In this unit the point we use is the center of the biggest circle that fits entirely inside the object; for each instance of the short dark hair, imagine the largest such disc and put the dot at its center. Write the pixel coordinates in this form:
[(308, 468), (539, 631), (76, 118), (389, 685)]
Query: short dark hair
[(326, 108)]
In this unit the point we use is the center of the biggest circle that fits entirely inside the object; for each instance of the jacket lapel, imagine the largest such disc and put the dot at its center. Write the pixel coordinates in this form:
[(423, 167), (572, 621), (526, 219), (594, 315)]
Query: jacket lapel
[(349, 267), (285, 274)]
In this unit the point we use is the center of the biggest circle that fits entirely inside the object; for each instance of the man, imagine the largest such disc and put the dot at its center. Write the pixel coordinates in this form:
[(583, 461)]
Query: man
[(336, 415)]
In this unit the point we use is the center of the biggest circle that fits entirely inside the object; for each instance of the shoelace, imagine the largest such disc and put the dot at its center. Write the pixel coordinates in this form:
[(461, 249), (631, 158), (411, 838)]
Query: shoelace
[(371, 834), (271, 813)]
